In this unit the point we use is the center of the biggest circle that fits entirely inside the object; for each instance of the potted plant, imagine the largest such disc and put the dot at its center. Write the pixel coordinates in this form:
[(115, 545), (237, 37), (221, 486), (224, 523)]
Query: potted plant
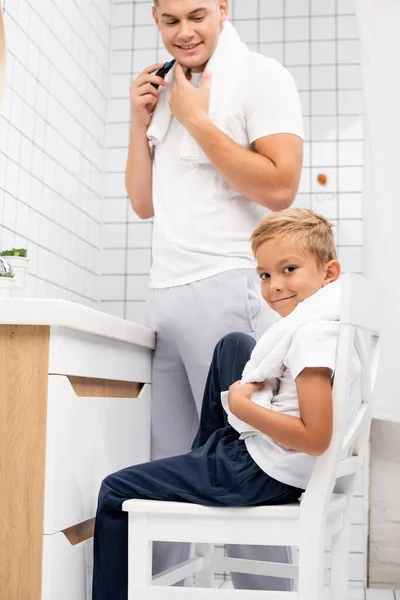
[(6, 279), (18, 261)]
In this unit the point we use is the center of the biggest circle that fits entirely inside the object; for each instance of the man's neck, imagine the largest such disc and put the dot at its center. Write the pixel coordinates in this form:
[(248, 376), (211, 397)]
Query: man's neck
[(199, 69)]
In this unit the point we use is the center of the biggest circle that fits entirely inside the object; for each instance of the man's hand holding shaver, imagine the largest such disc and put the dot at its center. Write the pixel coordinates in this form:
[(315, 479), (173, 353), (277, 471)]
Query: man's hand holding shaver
[(144, 96)]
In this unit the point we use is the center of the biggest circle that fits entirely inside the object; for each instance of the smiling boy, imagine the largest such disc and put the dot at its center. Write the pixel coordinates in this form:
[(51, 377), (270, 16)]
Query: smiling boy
[(296, 257), (272, 464)]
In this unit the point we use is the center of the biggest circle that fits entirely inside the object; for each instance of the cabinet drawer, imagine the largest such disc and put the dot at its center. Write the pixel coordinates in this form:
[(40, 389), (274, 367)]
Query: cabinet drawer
[(86, 355), (88, 438), (64, 575)]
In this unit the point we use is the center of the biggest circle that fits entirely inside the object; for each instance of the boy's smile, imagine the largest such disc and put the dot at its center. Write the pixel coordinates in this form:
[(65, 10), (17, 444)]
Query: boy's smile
[(290, 274)]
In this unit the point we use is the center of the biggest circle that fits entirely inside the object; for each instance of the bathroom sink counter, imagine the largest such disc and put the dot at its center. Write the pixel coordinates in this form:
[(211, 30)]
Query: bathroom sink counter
[(75, 404), (62, 313)]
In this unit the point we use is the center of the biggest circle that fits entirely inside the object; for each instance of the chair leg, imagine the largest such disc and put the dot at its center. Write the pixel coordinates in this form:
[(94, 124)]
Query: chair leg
[(311, 570), (205, 577), (139, 557), (340, 561)]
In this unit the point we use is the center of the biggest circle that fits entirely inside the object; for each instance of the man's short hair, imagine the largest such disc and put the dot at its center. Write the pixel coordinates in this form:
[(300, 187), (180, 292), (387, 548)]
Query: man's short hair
[(311, 231), (156, 2)]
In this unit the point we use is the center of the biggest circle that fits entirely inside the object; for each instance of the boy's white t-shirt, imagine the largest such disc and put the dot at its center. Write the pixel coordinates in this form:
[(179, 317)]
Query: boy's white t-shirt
[(313, 345), (202, 226)]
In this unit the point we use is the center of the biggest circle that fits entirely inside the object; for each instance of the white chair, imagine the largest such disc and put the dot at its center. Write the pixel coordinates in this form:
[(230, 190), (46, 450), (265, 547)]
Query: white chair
[(323, 512)]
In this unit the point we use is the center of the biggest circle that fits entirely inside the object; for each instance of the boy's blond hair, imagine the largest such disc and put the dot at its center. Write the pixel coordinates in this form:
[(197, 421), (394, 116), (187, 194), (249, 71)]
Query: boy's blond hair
[(311, 231)]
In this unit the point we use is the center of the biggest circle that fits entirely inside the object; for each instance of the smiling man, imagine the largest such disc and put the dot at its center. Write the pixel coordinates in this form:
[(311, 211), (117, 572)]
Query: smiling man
[(213, 147)]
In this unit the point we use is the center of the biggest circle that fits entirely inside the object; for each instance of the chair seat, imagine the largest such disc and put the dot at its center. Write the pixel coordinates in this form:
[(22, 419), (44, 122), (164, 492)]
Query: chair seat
[(284, 511), (265, 525)]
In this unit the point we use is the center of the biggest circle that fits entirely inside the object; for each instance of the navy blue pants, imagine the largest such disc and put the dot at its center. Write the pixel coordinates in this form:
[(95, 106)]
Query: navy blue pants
[(217, 472)]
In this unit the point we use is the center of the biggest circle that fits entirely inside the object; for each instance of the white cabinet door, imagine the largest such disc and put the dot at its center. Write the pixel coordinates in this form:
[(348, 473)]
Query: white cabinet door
[(87, 439), (85, 355), (64, 569)]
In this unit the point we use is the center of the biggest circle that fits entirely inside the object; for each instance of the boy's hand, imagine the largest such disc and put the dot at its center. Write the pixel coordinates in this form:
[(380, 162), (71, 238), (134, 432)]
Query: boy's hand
[(239, 396), (188, 103)]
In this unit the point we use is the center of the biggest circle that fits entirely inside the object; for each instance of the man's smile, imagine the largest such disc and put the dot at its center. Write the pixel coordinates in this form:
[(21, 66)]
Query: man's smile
[(187, 48)]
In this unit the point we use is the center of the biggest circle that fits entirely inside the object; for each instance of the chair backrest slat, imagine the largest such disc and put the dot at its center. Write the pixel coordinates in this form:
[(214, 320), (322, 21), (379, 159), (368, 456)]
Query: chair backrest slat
[(360, 421), (348, 466)]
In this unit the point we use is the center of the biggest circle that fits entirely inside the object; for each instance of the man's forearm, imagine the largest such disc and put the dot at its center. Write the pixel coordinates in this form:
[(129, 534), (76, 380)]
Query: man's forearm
[(139, 177), (251, 174)]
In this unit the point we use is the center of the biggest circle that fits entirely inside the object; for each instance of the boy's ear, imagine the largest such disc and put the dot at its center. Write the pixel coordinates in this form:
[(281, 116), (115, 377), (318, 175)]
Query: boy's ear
[(332, 271)]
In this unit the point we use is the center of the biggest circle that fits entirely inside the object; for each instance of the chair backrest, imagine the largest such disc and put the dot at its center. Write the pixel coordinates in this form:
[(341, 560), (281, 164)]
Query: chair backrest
[(336, 469)]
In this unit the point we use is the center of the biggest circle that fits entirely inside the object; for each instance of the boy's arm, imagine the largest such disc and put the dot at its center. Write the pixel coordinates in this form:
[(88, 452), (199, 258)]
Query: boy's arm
[(311, 432)]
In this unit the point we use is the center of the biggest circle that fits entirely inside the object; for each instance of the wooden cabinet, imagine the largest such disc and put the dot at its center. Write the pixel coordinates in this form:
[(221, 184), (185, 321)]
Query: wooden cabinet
[(74, 406)]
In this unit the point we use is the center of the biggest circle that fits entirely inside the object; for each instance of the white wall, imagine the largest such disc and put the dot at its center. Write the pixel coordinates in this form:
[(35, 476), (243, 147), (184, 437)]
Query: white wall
[(52, 134), (127, 240)]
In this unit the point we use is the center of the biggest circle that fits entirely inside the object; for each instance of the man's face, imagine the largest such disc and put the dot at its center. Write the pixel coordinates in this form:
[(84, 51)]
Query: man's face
[(290, 275), (190, 29)]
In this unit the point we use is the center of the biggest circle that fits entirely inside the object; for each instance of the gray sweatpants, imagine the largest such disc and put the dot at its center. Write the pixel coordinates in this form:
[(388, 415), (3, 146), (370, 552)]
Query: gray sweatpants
[(189, 321)]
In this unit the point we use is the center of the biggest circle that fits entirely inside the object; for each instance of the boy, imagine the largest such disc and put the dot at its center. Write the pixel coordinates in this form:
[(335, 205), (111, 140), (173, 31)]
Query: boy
[(271, 462)]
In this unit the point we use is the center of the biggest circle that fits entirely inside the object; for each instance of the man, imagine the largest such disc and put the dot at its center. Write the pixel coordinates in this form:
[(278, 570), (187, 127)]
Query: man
[(226, 144)]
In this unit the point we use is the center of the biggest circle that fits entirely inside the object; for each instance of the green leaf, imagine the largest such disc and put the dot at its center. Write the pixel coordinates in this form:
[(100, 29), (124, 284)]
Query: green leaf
[(15, 252)]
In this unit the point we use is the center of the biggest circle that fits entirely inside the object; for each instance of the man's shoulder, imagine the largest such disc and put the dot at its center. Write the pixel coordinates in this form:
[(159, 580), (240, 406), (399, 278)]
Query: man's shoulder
[(256, 62)]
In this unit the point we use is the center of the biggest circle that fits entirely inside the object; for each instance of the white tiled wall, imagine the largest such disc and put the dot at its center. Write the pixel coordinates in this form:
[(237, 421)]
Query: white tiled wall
[(317, 40), (126, 239), (52, 142)]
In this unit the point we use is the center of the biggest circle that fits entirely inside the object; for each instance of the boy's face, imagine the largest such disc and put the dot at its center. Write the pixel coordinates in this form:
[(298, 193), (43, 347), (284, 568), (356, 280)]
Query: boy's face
[(290, 275), (190, 29)]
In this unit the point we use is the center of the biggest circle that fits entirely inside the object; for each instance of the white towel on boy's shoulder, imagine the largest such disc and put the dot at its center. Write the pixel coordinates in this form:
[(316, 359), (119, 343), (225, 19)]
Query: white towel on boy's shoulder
[(267, 359), (225, 65)]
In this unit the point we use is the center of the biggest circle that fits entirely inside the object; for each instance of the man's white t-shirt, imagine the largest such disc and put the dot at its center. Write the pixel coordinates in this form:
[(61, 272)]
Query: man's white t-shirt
[(313, 345), (202, 225)]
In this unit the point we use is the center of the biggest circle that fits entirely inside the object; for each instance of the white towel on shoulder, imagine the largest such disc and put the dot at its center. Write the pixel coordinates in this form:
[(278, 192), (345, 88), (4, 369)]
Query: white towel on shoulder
[(266, 361), (224, 65)]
